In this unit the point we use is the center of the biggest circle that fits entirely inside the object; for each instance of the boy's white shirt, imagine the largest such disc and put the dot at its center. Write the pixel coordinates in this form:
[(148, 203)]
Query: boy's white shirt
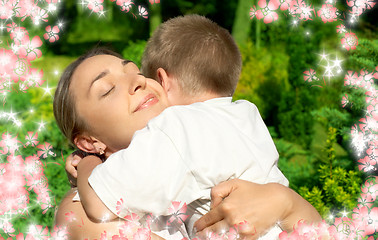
[(184, 152)]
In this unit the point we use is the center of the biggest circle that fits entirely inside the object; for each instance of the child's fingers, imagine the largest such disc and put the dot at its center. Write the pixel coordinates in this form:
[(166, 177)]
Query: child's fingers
[(75, 160), (71, 164)]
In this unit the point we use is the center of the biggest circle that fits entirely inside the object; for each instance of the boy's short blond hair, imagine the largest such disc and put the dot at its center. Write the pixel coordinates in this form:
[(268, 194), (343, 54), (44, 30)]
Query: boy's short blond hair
[(201, 55)]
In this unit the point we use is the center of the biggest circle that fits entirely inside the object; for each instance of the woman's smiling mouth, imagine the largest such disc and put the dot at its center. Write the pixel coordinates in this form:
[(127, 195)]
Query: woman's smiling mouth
[(148, 101)]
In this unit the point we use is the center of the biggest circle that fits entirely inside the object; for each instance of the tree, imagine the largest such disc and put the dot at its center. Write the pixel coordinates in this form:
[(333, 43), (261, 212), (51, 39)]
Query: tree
[(242, 23), (155, 17)]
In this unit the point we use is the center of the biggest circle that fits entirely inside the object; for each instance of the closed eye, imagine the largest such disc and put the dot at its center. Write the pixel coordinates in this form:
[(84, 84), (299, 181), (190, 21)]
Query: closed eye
[(108, 92)]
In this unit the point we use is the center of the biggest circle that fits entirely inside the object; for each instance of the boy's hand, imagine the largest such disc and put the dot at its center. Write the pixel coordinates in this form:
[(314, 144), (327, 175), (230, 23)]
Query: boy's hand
[(71, 167)]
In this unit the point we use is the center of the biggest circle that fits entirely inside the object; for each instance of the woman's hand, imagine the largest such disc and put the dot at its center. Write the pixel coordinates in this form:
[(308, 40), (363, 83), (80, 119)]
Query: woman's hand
[(255, 207)]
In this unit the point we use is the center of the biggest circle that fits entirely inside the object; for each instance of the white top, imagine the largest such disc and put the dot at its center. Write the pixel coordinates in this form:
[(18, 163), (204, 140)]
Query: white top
[(184, 152)]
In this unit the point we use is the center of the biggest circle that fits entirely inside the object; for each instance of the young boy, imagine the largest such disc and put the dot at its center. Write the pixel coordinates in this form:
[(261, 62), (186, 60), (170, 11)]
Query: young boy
[(186, 150)]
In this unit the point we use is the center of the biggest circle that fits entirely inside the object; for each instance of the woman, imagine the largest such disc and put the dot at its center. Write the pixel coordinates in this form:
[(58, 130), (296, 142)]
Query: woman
[(85, 121)]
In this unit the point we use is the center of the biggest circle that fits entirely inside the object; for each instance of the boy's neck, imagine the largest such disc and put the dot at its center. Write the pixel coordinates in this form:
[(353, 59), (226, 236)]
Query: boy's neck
[(184, 99)]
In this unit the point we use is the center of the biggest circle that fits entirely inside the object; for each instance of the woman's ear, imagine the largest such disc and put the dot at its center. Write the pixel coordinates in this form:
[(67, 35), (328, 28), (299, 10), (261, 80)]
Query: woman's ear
[(89, 144), (164, 79)]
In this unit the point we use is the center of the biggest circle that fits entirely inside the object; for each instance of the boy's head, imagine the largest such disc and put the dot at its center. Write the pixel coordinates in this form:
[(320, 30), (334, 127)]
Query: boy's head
[(202, 56)]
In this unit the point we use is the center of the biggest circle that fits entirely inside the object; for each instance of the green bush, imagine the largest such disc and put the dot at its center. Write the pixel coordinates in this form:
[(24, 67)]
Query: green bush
[(339, 188)]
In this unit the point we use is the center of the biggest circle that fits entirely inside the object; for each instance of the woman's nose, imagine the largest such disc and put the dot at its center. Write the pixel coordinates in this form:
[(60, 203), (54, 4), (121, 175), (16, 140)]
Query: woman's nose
[(139, 83)]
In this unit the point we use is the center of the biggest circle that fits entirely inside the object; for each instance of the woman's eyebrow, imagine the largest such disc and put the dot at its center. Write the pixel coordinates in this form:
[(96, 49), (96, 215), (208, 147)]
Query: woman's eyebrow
[(126, 62), (101, 75)]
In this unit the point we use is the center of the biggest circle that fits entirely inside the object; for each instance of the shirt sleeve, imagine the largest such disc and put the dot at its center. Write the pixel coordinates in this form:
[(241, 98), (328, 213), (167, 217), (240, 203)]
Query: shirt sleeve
[(146, 177)]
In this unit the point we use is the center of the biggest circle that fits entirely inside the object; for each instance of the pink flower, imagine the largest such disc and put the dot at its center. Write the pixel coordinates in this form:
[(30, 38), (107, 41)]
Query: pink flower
[(328, 13), (95, 5), (142, 234), (125, 5), (372, 97), (366, 200), (34, 78), (132, 217), (367, 164), (303, 11), (19, 35), (7, 61), (267, 10), (351, 78), (310, 75), (39, 232), (31, 139), (46, 150), (154, 1), (142, 12), (368, 124), (20, 236), (39, 14), (7, 227), (33, 170), (367, 79), (29, 50), (51, 33), (116, 237), (350, 41), (43, 197), (345, 228), (252, 12), (104, 236), (365, 220), (6, 10), (369, 192), (341, 28), (294, 6), (359, 6), (26, 9), (70, 216), (344, 101), (178, 213), (121, 208), (9, 144), (285, 4), (59, 232)]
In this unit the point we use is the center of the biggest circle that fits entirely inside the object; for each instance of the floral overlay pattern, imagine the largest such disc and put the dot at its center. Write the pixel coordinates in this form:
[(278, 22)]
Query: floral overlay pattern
[(21, 175)]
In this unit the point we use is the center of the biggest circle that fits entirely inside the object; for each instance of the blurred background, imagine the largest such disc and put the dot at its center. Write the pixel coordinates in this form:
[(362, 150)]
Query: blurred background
[(310, 127)]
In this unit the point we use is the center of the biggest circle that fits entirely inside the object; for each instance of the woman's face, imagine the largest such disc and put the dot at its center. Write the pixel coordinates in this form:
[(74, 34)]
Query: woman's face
[(114, 99)]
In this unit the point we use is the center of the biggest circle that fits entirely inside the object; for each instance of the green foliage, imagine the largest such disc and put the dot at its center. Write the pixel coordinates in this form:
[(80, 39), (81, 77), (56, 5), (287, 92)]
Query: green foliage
[(263, 79), (365, 56), (296, 164), (315, 197), (134, 51), (339, 188), (295, 119)]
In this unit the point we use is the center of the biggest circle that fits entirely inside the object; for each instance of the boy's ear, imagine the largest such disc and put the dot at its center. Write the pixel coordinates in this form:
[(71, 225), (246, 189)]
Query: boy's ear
[(89, 144), (164, 79)]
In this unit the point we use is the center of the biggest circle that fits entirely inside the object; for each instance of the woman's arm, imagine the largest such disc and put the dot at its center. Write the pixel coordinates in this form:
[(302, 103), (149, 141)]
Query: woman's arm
[(261, 205), (93, 206), (71, 215)]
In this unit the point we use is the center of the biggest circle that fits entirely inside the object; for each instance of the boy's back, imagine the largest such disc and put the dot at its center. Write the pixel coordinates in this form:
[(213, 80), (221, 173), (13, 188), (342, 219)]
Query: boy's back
[(183, 153)]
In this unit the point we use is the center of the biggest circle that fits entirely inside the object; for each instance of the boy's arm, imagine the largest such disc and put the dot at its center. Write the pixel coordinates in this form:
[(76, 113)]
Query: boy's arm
[(93, 206), (261, 205)]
